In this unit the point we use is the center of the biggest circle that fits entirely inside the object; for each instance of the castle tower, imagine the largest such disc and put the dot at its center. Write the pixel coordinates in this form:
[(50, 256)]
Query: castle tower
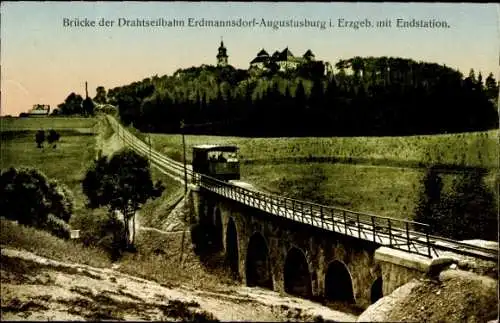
[(222, 55)]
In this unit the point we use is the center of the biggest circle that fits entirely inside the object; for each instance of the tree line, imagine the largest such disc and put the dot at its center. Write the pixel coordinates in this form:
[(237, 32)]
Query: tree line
[(75, 104), (366, 96)]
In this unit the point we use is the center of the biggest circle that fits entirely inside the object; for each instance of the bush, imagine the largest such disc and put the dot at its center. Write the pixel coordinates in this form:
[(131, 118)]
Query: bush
[(40, 138), (99, 228), (62, 200), (53, 138), (57, 227), (28, 197)]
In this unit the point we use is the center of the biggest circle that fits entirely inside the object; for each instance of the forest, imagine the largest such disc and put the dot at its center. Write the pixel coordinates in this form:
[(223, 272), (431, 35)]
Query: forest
[(372, 96)]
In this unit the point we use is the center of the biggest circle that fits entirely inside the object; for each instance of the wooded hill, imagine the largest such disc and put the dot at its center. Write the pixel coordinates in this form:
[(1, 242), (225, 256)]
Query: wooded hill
[(366, 96)]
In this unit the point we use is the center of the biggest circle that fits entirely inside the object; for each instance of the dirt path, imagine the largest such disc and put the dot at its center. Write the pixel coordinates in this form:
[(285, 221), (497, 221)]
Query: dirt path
[(37, 288)]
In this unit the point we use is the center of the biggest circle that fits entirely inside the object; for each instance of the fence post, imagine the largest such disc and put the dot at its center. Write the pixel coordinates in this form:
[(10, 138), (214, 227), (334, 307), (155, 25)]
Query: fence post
[(293, 209), (407, 236), (333, 219), (359, 225), (373, 227), (311, 209), (390, 232), (345, 222), (428, 242), (321, 217)]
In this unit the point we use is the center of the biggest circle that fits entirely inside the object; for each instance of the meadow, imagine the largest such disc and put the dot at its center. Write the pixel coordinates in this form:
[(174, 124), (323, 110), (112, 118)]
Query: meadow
[(67, 163), (475, 149), (379, 175), (57, 123)]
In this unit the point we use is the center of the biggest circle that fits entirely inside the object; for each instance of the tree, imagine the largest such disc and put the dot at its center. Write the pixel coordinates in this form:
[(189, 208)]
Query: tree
[(30, 198), (72, 105), (100, 95), (88, 107), (471, 209), (39, 138), (467, 211), (491, 87), (123, 183), (428, 209), (53, 138)]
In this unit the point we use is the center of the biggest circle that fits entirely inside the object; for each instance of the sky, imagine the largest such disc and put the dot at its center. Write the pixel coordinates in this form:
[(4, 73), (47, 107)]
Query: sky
[(43, 60)]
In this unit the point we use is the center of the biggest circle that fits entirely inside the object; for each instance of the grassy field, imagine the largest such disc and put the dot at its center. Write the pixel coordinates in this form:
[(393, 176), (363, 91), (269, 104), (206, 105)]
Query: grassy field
[(380, 175), (57, 123), (476, 149), (67, 163), (383, 191)]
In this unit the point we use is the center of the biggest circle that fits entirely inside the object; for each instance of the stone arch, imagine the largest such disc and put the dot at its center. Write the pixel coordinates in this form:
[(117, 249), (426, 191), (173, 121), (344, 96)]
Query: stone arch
[(203, 208), (297, 277), (207, 216), (218, 230), (338, 283), (376, 290), (258, 265), (232, 255)]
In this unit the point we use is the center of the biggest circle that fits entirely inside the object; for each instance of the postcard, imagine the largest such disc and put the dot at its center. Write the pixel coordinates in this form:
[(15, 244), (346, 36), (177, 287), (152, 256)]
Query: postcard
[(260, 161)]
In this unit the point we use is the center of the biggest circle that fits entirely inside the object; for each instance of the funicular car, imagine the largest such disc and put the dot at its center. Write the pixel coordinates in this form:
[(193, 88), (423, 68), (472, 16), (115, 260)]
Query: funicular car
[(217, 161)]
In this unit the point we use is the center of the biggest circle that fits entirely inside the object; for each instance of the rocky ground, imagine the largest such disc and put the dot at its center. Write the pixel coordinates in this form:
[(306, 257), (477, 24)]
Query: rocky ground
[(454, 296), (37, 288)]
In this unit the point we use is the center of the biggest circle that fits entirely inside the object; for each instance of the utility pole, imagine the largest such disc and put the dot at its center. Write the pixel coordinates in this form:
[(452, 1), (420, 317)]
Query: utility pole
[(184, 159), (149, 141)]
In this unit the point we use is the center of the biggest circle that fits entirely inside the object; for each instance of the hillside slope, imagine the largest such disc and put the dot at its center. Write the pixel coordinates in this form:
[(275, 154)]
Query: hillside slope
[(37, 288), (457, 296)]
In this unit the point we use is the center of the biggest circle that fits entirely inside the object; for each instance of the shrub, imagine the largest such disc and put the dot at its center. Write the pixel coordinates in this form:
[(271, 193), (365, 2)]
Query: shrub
[(62, 200), (57, 227), (28, 196), (40, 138), (99, 228), (53, 138), (24, 196)]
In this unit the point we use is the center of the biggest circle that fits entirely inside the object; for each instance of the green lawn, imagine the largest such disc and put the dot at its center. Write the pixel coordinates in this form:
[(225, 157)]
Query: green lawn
[(46, 123), (383, 191), (66, 163), (380, 175), (467, 149)]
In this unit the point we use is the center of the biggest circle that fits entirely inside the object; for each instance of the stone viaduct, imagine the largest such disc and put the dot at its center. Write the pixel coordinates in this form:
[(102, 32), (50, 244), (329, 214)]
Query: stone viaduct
[(292, 257)]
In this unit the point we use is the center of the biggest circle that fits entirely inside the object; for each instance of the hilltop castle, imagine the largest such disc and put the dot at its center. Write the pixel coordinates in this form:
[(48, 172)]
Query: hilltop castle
[(284, 60)]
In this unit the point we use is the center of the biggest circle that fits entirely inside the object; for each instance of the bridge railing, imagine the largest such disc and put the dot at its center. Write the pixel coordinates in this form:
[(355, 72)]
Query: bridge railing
[(395, 233)]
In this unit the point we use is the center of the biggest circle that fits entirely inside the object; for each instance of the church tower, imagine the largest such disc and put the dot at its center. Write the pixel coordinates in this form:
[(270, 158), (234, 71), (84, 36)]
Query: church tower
[(222, 55)]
